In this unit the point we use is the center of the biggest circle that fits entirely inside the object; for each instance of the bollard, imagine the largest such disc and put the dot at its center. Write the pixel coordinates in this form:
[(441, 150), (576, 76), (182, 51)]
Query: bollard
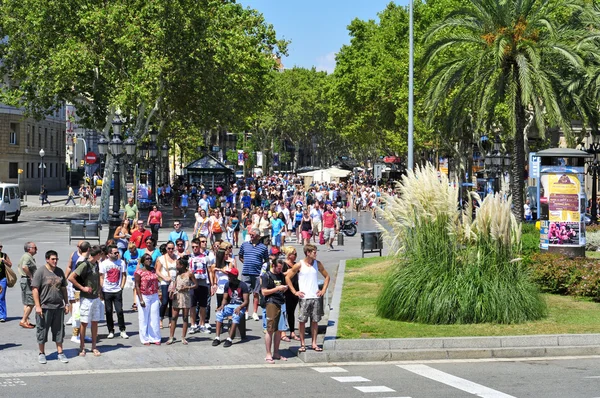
[(340, 239)]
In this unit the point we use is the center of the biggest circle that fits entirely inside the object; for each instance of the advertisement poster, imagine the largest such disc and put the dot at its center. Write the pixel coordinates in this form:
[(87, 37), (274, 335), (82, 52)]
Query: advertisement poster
[(259, 159), (563, 233), (544, 234), (240, 154), (563, 195), (443, 165), (275, 159)]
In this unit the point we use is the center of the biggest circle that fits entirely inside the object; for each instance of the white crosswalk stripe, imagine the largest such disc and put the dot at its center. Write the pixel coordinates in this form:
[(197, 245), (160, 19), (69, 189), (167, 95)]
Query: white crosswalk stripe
[(371, 389), (330, 369), (350, 379), (453, 381)]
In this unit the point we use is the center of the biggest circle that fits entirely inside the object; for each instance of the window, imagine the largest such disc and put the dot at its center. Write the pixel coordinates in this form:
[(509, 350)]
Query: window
[(39, 170), (51, 140), (14, 133), (13, 170), (46, 137), (27, 169), (28, 135)]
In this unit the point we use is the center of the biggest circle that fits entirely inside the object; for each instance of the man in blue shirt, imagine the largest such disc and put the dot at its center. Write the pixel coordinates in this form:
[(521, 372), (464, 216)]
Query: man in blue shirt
[(253, 255), (203, 203), (178, 233)]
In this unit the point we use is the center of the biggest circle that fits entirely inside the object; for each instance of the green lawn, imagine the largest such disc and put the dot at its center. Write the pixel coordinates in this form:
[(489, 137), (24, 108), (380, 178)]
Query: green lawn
[(364, 280)]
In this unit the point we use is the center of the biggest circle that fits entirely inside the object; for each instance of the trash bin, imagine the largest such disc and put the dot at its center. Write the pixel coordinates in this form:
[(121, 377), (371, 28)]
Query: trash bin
[(76, 230), (92, 230), (371, 242), (340, 239)]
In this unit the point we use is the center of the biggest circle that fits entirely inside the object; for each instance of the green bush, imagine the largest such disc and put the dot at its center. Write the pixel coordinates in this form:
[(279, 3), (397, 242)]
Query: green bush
[(450, 268), (530, 239), (555, 273)]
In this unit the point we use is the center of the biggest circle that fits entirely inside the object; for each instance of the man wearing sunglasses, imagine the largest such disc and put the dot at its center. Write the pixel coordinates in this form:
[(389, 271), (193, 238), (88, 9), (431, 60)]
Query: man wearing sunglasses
[(179, 233), (113, 274)]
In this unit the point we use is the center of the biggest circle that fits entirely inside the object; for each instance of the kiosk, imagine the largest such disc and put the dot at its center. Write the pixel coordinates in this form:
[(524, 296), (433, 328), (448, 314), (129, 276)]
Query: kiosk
[(561, 195)]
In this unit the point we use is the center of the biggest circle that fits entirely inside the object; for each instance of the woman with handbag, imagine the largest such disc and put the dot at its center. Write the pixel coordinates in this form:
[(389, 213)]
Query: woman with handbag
[(5, 271), (146, 283), (166, 271)]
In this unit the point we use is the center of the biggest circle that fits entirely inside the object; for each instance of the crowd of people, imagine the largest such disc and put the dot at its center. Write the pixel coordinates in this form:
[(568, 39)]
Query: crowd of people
[(195, 271)]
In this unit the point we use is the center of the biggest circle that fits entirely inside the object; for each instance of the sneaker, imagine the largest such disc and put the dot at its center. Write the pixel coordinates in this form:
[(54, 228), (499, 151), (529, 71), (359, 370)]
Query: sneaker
[(75, 339), (255, 317), (247, 315), (110, 335), (216, 342), (207, 326), (70, 321), (200, 329), (205, 329), (42, 358), (63, 358), (124, 335), (228, 343)]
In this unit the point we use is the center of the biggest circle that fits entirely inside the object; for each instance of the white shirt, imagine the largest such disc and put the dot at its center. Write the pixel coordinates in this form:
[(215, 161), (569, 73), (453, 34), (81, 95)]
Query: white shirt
[(308, 279), (113, 274), (316, 215)]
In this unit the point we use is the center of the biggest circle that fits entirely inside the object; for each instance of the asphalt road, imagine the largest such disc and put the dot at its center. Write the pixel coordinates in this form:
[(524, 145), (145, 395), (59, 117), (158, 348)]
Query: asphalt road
[(559, 378)]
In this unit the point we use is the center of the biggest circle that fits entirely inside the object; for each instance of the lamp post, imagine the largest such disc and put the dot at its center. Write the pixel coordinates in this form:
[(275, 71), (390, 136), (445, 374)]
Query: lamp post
[(594, 170), (164, 151), (153, 152), (496, 162), (116, 148), (42, 167)]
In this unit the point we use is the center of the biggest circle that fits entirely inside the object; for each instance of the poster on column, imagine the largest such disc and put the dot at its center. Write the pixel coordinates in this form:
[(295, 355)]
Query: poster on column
[(240, 154), (563, 193), (259, 159)]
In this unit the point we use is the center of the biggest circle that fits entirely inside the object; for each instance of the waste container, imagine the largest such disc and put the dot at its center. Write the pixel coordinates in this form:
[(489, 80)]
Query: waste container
[(92, 230), (371, 242)]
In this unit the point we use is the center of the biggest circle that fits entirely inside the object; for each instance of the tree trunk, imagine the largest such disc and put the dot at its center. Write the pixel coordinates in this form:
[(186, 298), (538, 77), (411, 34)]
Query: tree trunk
[(517, 182)]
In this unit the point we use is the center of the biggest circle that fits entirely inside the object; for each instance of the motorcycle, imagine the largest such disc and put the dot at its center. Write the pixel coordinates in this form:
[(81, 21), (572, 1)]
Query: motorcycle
[(349, 227)]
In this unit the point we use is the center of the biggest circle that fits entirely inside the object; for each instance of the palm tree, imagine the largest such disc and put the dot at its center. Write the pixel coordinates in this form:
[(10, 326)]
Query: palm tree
[(511, 52)]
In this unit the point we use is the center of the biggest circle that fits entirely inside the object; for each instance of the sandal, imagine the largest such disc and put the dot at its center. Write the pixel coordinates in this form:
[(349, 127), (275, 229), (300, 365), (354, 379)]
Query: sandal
[(270, 360), (302, 348), (82, 353), (146, 344), (296, 338), (171, 340), (96, 352), (184, 341), (317, 348), (281, 357), (285, 338)]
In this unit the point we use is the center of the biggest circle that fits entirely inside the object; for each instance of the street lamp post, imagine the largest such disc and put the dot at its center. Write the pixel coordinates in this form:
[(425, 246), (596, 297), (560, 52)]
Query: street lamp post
[(496, 162), (594, 170), (42, 154), (153, 152), (164, 151), (116, 148)]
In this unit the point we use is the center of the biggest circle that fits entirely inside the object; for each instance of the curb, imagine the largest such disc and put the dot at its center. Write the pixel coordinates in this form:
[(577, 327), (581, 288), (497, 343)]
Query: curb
[(420, 349)]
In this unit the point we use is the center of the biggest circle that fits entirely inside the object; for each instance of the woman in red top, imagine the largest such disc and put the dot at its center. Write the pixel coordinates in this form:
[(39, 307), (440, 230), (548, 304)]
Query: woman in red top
[(155, 221), (146, 283)]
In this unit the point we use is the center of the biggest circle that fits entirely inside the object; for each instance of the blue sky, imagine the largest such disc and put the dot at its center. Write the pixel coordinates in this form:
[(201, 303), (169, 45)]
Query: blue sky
[(316, 28)]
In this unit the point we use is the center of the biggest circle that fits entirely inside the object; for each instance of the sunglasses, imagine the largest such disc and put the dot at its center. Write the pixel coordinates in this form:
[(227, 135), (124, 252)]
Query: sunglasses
[(170, 248)]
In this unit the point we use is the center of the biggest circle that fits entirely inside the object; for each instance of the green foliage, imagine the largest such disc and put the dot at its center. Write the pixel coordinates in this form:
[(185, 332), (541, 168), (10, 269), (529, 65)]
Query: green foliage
[(558, 274), (450, 268), (512, 53), (530, 239)]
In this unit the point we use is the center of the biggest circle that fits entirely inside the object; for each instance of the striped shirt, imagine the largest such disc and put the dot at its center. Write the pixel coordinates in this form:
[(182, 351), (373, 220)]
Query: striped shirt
[(253, 257)]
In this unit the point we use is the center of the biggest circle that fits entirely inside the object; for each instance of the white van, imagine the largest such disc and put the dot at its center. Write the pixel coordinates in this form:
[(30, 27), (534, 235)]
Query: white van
[(10, 202)]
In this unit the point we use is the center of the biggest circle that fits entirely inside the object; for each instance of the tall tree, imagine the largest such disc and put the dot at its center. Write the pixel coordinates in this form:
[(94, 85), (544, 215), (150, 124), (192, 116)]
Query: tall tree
[(514, 52)]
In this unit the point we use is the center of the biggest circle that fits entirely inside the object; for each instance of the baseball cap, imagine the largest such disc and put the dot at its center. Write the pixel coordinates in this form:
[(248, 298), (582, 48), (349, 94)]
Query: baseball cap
[(275, 251), (234, 272)]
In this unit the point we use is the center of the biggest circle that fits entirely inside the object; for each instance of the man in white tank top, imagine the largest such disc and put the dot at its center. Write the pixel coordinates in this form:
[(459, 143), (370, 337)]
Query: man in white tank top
[(309, 293)]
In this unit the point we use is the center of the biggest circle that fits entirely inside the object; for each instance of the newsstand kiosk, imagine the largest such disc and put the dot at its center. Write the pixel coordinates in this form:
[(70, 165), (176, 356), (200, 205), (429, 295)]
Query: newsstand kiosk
[(561, 195)]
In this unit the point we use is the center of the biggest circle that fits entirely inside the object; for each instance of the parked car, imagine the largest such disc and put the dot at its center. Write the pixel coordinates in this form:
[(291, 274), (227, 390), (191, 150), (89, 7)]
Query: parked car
[(10, 202)]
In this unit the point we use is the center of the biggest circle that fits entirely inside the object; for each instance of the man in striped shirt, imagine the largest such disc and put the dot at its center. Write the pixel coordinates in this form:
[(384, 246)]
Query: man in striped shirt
[(253, 255)]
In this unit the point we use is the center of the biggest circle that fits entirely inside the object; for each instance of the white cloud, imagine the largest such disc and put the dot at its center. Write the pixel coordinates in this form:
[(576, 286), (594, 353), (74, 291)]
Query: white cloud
[(326, 63)]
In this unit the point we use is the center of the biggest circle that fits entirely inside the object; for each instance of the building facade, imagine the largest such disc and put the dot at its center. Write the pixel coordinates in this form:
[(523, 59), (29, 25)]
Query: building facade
[(21, 139)]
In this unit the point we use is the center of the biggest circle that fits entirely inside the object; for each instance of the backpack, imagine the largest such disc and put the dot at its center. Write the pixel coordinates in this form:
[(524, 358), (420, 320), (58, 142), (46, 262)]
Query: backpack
[(216, 227), (81, 278), (262, 299)]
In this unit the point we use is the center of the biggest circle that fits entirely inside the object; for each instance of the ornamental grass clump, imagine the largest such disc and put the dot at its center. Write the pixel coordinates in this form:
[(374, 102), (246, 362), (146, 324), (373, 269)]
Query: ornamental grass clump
[(450, 267)]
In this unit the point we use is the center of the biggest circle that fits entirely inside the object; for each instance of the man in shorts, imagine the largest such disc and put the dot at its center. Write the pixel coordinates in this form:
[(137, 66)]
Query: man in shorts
[(253, 255), (273, 289), (309, 293), (234, 304), (27, 269), (90, 293), (330, 226), (49, 287)]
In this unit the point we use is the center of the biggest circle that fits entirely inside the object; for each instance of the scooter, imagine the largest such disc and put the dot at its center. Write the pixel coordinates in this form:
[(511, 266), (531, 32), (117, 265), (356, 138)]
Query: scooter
[(349, 227)]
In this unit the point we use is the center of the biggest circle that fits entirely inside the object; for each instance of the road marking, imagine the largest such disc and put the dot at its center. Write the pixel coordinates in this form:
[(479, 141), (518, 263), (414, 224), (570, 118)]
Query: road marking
[(333, 369), (12, 382), (453, 381), (374, 389), (350, 379)]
